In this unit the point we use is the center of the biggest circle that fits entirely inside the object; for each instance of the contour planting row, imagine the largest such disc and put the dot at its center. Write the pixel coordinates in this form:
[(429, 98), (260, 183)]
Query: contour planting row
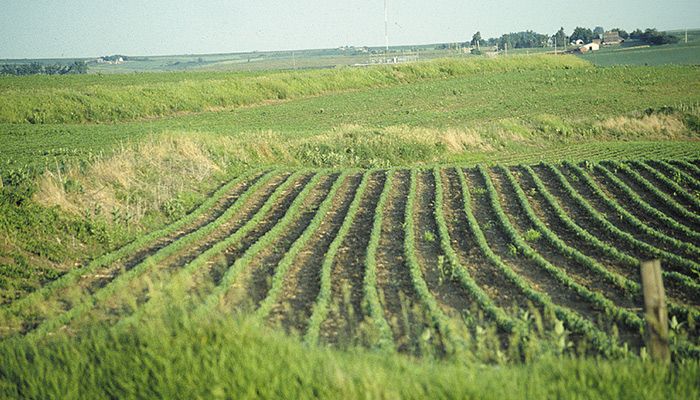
[(406, 259)]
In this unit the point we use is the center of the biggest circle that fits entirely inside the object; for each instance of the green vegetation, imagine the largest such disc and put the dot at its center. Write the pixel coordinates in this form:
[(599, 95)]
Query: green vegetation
[(253, 363), (451, 228)]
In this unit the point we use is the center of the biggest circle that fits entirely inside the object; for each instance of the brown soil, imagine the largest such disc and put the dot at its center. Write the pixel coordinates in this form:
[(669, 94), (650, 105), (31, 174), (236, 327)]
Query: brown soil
[(665, 188), (254, 282), (537, 278), (452, 297), (579, 273), (503, 293), (586, 222), (626, 202), (349, 270), (393, 277), (303, 280), (611, 214), (653, 200)]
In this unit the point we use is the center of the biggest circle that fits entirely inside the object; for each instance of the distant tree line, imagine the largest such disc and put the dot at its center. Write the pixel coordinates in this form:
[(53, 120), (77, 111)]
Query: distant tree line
[(35, 68), (653, 37), (530, 39)]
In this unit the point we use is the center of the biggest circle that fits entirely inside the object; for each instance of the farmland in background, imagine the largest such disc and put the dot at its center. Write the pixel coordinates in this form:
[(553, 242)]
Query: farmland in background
[(440, 217)]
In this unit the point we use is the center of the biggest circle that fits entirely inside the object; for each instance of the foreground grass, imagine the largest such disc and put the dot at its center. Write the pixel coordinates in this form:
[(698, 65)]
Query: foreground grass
[(216, 357)]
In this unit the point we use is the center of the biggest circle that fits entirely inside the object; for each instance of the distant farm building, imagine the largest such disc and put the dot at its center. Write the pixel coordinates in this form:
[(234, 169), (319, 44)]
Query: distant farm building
[(612, 37), (578, 42), (589, 47)]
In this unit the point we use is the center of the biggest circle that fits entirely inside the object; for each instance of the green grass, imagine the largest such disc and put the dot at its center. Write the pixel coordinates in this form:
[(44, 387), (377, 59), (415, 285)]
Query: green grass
[(634, 52), (507, 111), (524, 110), (220, 357)]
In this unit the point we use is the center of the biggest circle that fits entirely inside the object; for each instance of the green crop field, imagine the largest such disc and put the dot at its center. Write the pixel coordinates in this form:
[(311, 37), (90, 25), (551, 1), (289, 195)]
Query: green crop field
[(452, 228), (634, 52)]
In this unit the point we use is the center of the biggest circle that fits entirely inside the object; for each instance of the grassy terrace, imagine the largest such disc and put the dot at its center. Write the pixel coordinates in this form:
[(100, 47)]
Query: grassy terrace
[(450, 228)]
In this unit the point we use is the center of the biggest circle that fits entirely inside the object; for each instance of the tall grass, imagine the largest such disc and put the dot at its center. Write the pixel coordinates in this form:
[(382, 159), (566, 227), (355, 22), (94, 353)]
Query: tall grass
[(222, 357), (124, 98)]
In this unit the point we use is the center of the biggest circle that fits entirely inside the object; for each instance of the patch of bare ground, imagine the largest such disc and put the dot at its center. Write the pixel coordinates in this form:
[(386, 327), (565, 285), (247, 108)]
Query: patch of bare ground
[(253, 283), (398, 296), (618, 195), (348, 271), (652, 199), (546, 213), (503, 293), (578, 272), (536, 277), (609, 212), (140, 289), (452, 297), (295, 303), (587, 222), (664, 187)]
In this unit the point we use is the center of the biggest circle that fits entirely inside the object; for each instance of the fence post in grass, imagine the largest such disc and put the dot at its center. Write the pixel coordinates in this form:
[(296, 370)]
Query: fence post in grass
[(655, 311)]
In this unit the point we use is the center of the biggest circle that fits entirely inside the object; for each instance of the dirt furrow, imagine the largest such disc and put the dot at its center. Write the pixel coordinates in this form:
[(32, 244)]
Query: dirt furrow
[(576, 271), (295, 303), (402, 309), (498, 240), (453, 298), (503, 293), (548, 216), (345, 316), (580, 216)]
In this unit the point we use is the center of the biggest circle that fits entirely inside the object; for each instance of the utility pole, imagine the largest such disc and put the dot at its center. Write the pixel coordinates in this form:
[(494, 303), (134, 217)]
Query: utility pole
[(686, 35), (386, 27)]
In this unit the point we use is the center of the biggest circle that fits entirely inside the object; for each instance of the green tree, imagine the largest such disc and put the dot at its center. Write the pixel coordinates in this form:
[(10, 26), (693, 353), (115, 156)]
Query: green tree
[(598, 32), (476, 39), (559, 38), (584, 34)]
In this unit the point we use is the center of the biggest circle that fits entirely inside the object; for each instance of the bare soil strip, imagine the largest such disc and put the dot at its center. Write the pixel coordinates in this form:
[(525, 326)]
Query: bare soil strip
[(539, 279), (653, 200), (503, 293), (140, 289), (664, 188), (452, 297), (341, 325), (579, 273), (611, 215), (295, 303), (549, 217), (623, 199), (253, 283), (579, 216), (399, 297)]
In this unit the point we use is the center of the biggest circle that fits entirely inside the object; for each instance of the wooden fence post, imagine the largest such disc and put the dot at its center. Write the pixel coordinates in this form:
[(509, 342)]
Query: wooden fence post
[(655, 311)]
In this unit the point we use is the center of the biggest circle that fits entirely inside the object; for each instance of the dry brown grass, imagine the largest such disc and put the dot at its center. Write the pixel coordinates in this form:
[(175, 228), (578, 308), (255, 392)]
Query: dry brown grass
[(655, 126), (134, 179)]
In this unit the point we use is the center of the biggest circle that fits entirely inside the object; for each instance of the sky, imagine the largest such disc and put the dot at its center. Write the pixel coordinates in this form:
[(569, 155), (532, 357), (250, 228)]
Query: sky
[(91, 28)]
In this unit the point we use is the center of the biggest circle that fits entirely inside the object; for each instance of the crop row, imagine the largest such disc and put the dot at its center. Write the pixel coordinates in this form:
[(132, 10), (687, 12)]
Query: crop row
[(259, 231)]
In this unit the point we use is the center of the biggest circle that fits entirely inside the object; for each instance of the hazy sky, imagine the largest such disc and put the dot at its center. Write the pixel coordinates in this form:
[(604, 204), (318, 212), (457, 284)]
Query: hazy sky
[(86, 28)]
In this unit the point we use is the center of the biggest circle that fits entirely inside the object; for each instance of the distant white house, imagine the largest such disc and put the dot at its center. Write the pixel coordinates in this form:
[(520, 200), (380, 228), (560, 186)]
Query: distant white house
[(578, 42), (589, 47)]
